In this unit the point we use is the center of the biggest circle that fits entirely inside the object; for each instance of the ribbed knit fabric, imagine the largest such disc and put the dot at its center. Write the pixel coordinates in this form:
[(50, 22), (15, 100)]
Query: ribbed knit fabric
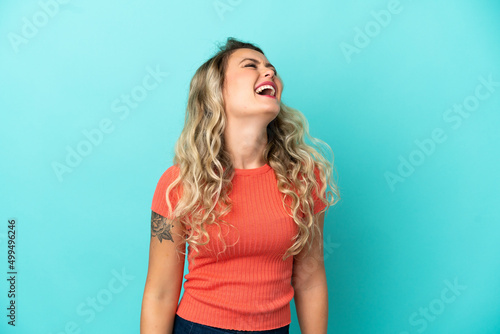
[(249, 286)]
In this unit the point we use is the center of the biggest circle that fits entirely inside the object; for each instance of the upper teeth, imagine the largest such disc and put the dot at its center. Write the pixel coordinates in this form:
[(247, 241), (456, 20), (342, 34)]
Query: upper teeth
[(261, 88)]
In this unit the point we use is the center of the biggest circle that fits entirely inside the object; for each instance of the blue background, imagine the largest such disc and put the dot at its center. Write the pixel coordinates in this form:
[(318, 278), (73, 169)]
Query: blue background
[(392, 249)]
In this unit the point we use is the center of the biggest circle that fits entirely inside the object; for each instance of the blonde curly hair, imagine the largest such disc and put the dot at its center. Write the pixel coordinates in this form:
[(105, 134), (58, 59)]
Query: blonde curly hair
[(206, 169)]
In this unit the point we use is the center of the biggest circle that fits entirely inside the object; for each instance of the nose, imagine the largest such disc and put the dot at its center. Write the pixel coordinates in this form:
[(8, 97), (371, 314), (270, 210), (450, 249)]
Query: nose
[(269, 73)]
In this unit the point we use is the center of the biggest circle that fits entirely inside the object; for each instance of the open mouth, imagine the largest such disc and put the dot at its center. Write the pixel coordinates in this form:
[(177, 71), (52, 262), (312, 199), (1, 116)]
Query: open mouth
[(266, 90)]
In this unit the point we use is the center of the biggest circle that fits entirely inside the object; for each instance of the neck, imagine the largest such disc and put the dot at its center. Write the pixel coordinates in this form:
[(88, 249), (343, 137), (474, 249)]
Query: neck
[(246, 142)]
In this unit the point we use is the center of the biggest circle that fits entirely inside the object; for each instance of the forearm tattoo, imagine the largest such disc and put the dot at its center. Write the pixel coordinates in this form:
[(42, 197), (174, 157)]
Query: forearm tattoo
[(160, 227)]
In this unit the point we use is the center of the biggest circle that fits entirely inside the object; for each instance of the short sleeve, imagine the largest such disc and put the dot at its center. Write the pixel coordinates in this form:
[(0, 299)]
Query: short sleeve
[(159, 204), (318, 203)]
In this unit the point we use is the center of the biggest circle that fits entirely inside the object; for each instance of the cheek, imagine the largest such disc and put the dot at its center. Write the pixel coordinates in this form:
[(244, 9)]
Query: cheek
[(238, 88), (280, 86)]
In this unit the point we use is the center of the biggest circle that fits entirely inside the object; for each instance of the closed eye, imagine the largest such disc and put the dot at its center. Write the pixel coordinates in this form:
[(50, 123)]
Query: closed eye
[(255, 66)]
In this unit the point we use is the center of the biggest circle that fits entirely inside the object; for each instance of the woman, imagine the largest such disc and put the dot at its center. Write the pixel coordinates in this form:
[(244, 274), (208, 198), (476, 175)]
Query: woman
[(248, 195)]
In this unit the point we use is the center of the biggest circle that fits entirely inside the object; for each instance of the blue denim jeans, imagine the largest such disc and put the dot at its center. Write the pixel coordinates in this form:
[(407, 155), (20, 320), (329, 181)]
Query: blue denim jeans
[(183, 326)]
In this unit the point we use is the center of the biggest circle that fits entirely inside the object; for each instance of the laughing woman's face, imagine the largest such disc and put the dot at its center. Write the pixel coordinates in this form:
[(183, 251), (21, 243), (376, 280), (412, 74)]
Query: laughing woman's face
[(246, 71)]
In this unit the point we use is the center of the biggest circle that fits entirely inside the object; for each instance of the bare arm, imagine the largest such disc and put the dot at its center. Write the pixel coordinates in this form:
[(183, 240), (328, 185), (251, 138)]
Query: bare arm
[(164, 278), (310, 287)]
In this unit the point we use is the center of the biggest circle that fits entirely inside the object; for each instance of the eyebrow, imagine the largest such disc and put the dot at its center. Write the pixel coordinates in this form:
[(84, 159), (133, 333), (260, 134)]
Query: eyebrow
[(258, 62)]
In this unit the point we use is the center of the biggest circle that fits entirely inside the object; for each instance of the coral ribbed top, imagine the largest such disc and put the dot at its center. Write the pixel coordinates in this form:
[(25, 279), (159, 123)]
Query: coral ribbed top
[(249, 286)]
